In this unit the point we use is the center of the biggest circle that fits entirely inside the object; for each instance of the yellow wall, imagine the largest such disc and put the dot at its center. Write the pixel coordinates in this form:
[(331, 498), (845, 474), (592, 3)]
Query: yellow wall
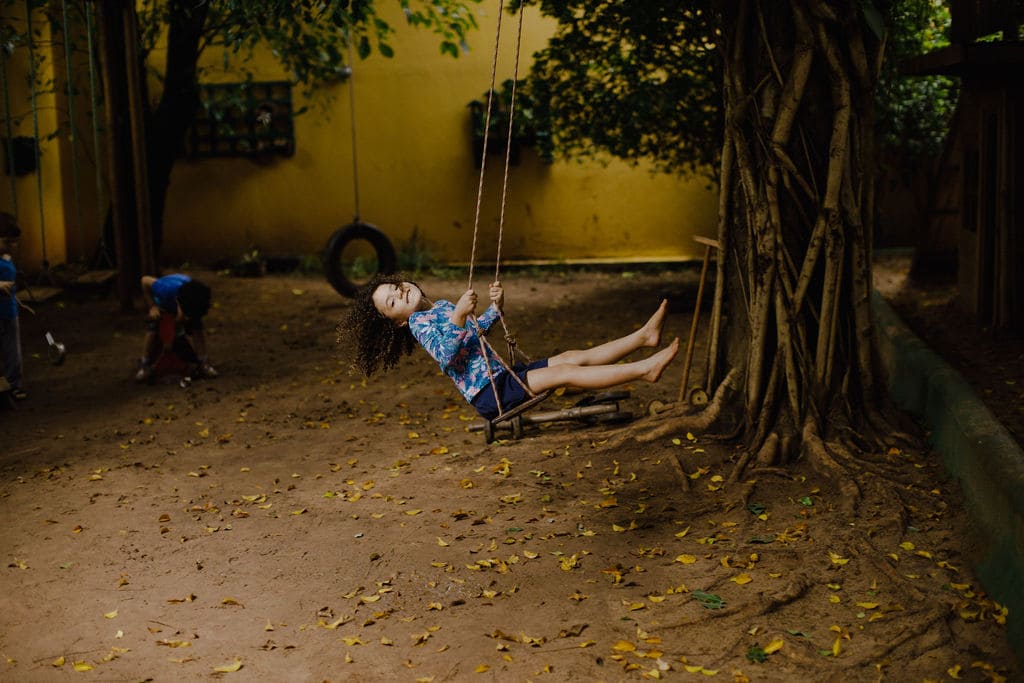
[(39, 213), (416, 171)]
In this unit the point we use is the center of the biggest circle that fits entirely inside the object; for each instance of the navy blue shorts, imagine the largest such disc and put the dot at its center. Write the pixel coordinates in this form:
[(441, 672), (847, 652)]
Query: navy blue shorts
[(511, 392)]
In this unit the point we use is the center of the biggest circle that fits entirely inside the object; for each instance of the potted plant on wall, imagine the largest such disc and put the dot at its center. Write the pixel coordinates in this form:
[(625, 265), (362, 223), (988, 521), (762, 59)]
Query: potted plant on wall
[(527, 127)]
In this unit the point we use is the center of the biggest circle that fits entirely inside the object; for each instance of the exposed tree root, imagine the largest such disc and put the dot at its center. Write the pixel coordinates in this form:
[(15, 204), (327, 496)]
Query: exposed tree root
[(823, 463), (876, 559), (738, 469), (777, 471), (684, 479), (917, 624), (746, 492), (766, 604), (902, 435), (668, 423)]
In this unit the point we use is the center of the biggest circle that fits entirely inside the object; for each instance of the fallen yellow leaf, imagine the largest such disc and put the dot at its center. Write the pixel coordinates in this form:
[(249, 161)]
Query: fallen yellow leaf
[(229, 668), (837, 559), (174, 643)]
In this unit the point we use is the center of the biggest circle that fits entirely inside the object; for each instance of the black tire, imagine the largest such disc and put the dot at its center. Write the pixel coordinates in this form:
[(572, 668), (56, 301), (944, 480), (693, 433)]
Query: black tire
[(336, 269)]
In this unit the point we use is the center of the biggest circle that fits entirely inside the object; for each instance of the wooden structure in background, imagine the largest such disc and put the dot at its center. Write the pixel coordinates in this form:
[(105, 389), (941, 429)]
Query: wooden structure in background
[(980, 182)]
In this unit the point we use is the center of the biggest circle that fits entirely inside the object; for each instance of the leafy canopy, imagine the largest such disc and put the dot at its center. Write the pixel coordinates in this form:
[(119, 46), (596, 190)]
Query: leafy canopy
[(308, 37), (642, 79), (638, 79)]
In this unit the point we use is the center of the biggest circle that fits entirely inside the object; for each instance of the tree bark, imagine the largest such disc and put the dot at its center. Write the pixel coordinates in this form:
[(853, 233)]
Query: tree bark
[(118, 147), (799, 80), (167, 125)]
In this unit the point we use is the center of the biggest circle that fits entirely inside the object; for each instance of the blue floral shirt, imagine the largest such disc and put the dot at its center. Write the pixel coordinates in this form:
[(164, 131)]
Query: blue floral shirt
[(456, 349)]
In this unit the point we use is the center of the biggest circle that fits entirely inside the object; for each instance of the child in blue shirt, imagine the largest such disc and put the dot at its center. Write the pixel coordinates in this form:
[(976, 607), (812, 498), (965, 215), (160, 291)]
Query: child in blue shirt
[(10, 333), (188, 301), (391, 315)]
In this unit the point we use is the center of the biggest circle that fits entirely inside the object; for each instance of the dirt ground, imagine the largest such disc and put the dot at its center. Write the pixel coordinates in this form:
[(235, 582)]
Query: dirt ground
[(288, 521)]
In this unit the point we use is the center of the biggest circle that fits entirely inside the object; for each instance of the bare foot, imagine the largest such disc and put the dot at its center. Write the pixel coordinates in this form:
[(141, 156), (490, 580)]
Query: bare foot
[(660, 361), (651, 331)]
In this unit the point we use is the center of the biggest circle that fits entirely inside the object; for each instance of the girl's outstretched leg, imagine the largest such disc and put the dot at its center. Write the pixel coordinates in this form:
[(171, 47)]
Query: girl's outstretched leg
[(601, 376), (613, 351)]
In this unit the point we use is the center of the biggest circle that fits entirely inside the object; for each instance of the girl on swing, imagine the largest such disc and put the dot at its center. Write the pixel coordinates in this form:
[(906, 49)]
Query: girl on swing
[(391, 314)]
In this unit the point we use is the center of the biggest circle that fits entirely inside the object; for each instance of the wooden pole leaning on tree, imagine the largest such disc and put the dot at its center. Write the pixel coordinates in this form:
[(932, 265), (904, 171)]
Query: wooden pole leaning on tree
[(709, 244)]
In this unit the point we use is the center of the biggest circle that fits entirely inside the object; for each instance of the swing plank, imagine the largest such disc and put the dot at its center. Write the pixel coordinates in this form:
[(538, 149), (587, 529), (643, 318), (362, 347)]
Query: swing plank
[(521, 408), (38, 295), (95, 277)]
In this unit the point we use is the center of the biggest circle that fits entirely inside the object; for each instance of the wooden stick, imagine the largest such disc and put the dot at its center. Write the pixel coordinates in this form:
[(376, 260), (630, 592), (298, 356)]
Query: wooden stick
[(696, 319)]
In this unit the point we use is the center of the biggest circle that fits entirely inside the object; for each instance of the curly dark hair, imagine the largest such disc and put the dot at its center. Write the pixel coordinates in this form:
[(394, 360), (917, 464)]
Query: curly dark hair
[(379, 342), (194, 299)]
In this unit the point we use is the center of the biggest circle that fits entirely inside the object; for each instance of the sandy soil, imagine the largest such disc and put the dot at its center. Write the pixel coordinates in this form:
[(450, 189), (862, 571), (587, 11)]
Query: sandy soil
[(291, 522)]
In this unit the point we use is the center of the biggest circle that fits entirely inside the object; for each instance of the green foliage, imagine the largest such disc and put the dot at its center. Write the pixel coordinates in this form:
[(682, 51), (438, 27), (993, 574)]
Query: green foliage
[(531, 119), (641, 79), (636, 80), (307, 37), (914, 112)]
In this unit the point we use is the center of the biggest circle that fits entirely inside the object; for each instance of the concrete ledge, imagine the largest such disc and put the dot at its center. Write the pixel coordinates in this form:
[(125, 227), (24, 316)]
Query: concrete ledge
[(975, 448)]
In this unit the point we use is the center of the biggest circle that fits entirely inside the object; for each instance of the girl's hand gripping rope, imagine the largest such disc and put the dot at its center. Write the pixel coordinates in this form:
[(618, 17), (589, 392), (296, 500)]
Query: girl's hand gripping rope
[(497, 295), (464, 307)]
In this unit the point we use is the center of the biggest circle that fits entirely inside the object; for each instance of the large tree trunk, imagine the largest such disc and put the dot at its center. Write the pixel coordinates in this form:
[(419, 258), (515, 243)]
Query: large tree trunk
[(799, 93), (796, 217), (168, 124)]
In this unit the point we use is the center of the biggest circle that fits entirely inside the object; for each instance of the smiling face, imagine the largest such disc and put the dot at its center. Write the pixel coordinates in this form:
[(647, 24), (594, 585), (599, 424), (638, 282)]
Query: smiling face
[(398, 302)]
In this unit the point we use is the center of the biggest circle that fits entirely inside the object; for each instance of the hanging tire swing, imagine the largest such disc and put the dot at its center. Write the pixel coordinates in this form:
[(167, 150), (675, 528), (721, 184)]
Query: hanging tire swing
[(346, 262)]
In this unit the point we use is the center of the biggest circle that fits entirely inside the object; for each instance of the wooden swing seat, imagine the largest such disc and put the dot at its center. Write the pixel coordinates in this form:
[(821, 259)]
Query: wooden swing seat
[(521, 408), (598, 408)]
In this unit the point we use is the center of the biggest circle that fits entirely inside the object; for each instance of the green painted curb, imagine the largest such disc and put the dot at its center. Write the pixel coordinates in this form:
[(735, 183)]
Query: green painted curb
[(975, 448)]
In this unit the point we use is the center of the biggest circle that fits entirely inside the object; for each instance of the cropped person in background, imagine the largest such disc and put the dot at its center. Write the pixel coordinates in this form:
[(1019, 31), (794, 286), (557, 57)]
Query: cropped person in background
[(10, 333), (187, 302)]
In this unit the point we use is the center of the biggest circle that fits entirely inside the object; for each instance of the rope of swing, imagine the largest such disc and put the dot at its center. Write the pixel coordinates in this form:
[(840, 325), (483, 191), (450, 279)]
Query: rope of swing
[(352, 118), (485, 347)]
